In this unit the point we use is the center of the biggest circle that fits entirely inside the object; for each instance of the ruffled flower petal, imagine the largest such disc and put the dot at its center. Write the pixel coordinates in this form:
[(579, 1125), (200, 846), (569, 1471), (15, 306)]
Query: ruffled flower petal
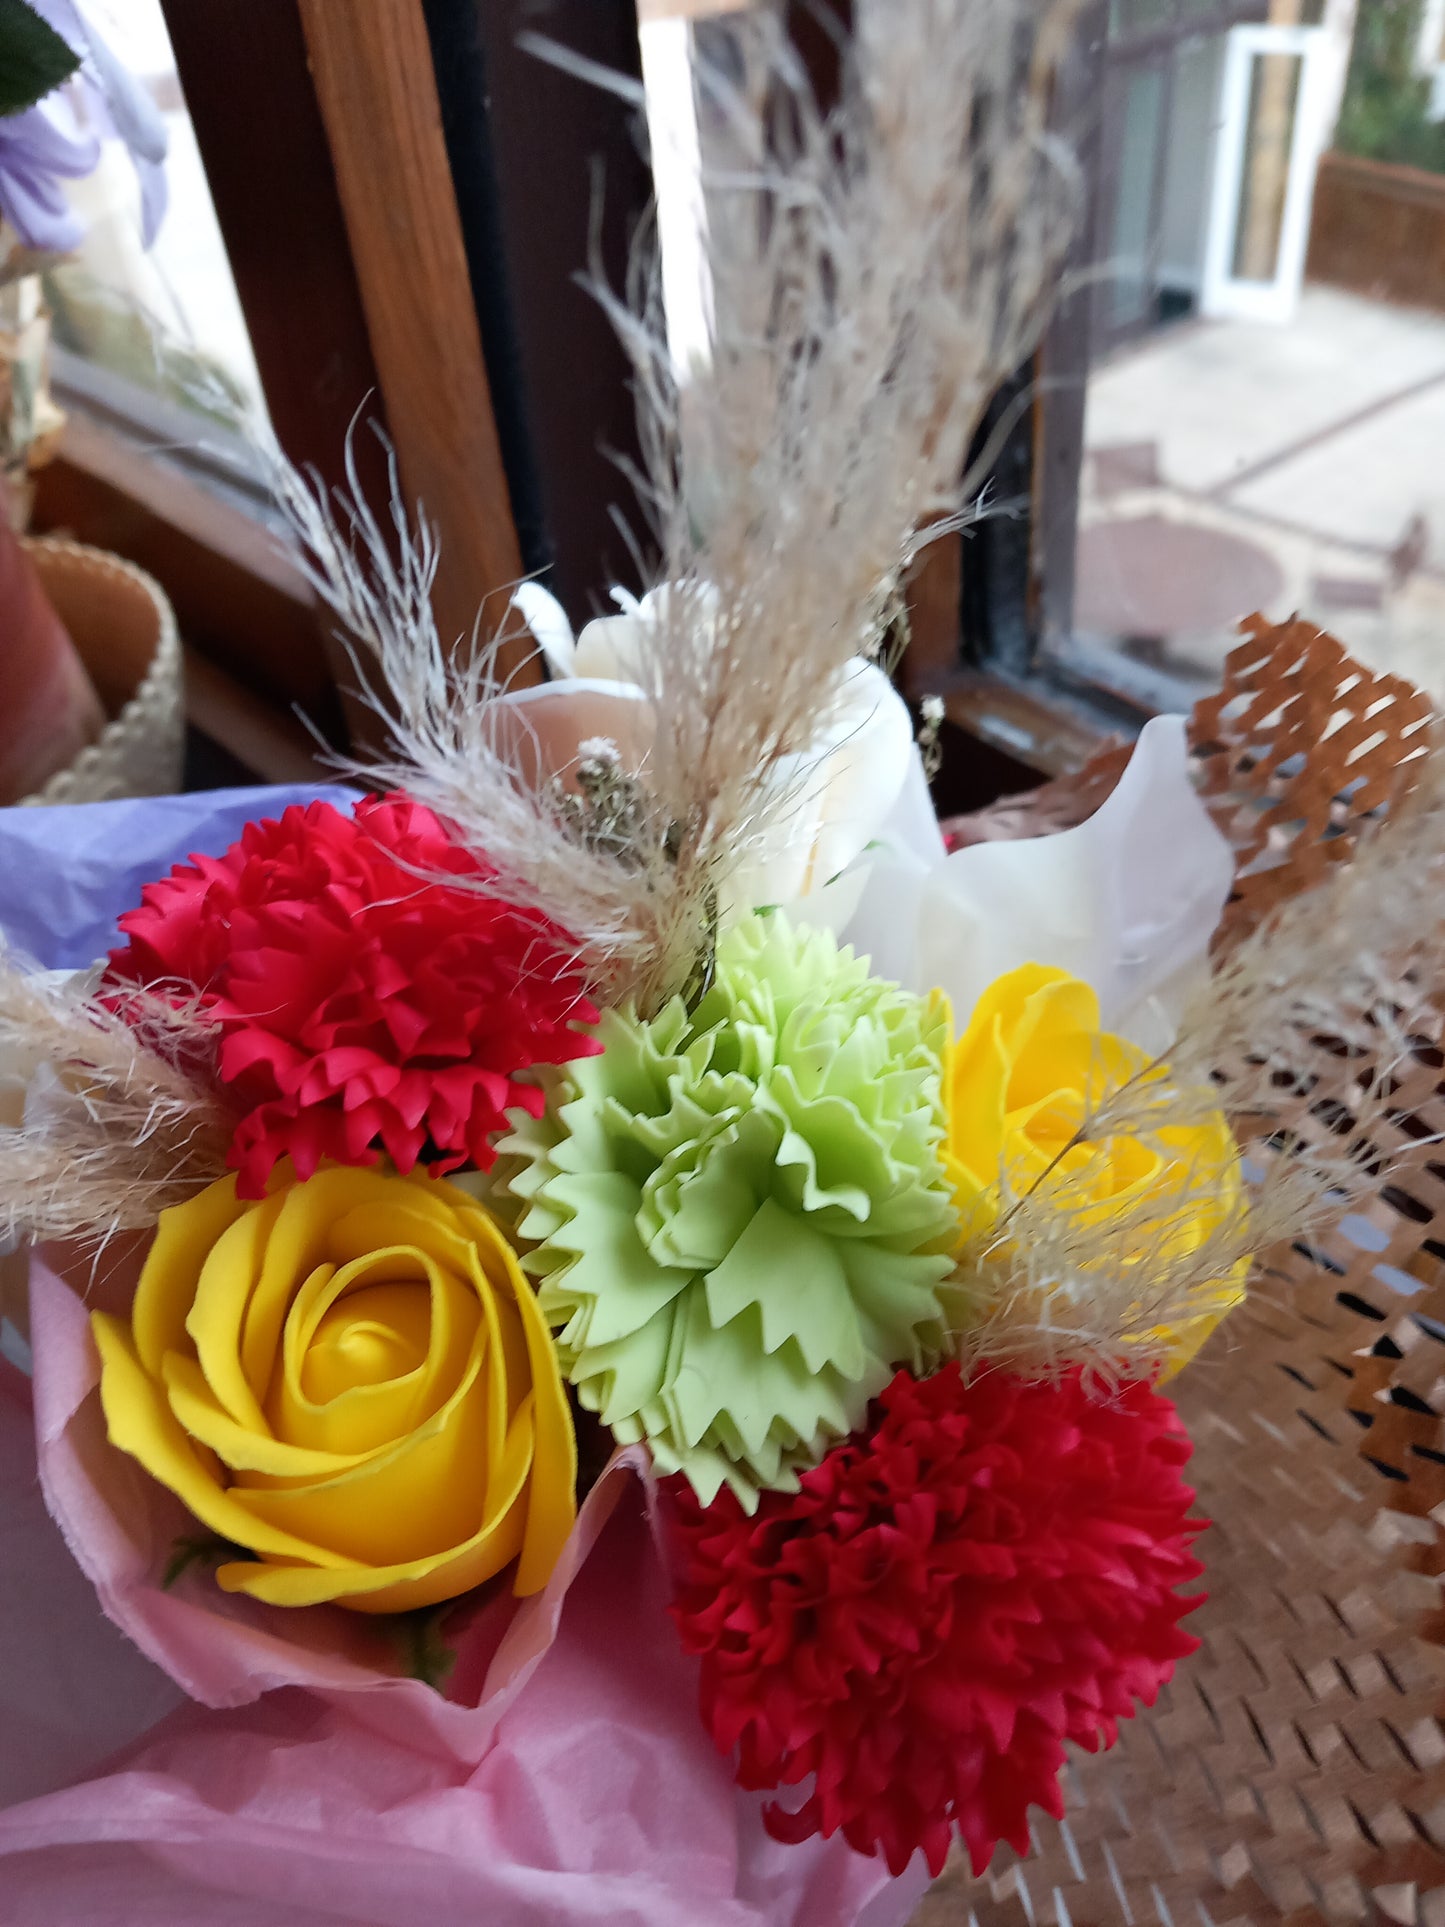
[(1128, 900), (351, 1381), (364, 1004), (1031, 1065), (738, 1215), (988, 1572)]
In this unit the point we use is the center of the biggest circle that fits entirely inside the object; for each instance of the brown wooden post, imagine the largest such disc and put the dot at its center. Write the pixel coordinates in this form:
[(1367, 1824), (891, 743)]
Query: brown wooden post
[(371, 61)]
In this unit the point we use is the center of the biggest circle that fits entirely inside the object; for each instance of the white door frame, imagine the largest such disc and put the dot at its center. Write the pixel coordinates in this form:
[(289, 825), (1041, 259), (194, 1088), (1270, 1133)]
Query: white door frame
[(1223, 293)]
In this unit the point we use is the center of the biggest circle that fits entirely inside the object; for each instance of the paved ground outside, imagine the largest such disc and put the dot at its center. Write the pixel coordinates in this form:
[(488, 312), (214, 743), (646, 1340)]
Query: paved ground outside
[(1235, 465)]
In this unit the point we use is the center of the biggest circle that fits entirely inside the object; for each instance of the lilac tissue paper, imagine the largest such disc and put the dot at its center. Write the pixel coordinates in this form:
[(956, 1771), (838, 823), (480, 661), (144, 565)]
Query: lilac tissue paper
[(68, 870)]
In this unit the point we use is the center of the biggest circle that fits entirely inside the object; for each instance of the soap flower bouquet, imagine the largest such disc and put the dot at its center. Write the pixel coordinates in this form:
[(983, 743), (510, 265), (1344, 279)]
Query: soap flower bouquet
[(627, 1360)]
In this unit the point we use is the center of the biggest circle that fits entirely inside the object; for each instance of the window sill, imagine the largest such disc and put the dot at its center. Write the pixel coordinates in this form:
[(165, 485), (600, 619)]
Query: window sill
[(1050, 723)]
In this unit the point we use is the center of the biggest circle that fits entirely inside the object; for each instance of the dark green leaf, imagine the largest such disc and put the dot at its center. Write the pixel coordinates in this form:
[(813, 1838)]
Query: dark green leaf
[(34, 59), (208, 1551), (428, 1657)]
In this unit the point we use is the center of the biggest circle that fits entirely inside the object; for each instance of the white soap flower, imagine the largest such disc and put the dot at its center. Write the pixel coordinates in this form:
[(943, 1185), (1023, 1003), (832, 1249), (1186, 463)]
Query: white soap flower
[(834, 798)]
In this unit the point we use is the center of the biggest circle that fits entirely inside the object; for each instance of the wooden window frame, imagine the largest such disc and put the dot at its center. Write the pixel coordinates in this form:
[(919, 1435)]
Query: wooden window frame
[(386, 288), (353, 279), (1029, 687), (990, 607), (365, 281)]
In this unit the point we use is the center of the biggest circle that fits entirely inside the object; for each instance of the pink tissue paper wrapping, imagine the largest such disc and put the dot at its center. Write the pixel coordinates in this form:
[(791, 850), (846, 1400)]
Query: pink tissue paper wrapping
[(311, 1785)]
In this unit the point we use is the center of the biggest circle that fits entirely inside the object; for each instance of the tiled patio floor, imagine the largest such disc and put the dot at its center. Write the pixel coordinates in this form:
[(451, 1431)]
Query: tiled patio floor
[(1235, 465)]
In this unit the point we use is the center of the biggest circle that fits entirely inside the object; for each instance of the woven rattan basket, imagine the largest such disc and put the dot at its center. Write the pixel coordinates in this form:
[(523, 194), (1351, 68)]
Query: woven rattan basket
[(1295, 1769), (125, 631)]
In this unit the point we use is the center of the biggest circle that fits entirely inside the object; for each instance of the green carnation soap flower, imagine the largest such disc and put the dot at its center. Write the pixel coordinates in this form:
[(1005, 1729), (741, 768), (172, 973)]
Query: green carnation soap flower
[(740, 1217)]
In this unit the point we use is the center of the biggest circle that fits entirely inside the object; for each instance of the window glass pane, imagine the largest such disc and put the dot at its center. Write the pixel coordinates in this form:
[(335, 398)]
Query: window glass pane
[(1136, 16), (106, 299), (1264, 176), (1134, 228), (1189, 131), (1266, 404)]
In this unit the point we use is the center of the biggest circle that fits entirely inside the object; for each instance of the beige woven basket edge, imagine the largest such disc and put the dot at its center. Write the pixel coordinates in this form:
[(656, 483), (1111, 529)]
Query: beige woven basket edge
[(139, 752)]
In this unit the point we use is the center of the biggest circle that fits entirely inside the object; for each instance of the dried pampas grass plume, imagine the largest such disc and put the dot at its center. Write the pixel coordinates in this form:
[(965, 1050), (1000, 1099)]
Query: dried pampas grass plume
[(877, 271), (450, 746), (119, 1118), (1306, 1035)]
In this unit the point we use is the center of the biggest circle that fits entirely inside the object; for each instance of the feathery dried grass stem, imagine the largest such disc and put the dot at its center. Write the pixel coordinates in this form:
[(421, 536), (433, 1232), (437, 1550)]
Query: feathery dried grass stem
[(1308, 1035), (447, 744), (121, 1118), (877, 271)]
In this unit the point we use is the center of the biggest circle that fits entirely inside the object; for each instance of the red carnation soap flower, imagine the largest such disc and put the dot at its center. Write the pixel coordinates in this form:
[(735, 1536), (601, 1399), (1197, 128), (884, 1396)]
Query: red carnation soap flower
[(988, 1573), (362, 1005)]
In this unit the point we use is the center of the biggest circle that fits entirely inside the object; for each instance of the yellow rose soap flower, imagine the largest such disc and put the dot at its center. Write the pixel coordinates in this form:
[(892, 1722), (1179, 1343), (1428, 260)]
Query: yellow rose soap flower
[(1021, 1080), (349, 1378)]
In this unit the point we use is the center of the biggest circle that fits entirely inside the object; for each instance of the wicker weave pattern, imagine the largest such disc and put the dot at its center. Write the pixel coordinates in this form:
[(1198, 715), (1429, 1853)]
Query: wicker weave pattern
[(125, 629), (1299, 749), (1295, 1769)]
